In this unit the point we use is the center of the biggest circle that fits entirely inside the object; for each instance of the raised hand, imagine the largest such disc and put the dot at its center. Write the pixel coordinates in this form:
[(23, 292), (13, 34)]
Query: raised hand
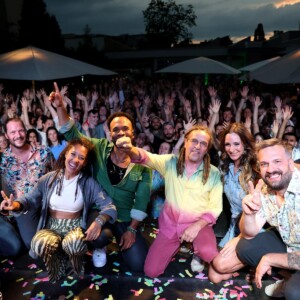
[(215, 105), (55, 97), (287, 113), (7, 203), (244, 92), (251, 203), (64, 90), (212, 92)]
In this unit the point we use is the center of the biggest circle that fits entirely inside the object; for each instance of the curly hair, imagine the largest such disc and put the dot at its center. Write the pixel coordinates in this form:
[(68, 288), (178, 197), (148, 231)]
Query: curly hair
[(206, 159), (248, 160), (60, 163)]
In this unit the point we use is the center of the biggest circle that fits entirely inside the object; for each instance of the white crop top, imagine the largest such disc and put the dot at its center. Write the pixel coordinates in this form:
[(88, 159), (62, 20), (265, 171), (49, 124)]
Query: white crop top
[(66, 201)]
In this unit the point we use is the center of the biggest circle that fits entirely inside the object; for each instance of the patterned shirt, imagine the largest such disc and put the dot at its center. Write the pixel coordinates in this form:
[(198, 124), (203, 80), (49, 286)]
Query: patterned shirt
[(286, 218), (18, 176)]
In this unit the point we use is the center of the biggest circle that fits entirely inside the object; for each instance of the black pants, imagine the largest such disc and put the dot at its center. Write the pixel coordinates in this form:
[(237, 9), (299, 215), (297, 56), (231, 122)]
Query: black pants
[(134, 257), (251, 252)]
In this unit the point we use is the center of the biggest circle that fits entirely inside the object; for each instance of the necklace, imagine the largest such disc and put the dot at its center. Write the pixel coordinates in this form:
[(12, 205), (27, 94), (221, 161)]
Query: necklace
[(116, 170), (119, 161), (120, 171)]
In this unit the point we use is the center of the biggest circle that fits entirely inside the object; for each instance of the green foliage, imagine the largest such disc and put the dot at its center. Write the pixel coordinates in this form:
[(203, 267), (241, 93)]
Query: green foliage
[(167, 22)]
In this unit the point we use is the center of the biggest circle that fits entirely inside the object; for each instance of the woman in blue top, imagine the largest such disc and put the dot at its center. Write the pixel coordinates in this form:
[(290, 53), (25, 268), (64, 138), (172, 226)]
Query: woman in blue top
[(238, 167), (55, 142)]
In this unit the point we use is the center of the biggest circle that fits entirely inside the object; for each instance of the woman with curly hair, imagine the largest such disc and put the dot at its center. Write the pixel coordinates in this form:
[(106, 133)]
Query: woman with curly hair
[(238, 166), (65, 197)]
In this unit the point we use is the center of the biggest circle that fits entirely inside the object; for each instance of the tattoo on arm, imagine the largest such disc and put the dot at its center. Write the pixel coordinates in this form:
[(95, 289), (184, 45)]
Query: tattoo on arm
[(294, 260)]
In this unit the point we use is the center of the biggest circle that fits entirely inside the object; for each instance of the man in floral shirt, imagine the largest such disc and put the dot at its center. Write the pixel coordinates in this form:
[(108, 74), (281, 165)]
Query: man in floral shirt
[(21, 166), (276, 200)]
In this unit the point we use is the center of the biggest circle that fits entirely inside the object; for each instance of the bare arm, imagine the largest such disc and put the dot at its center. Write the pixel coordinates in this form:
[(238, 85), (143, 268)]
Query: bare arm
[(244, 95), (56, 99), (251, 222), (287, 114)]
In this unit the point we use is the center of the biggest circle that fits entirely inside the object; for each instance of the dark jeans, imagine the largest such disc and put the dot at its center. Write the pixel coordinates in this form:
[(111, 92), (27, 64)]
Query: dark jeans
[(27, 225), (251, 252), (134, 257), (10, 240), (16, 237)]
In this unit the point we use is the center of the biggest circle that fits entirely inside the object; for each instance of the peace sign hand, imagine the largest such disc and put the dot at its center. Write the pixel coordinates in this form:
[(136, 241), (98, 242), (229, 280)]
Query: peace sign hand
[(251, 203), (7, 203)]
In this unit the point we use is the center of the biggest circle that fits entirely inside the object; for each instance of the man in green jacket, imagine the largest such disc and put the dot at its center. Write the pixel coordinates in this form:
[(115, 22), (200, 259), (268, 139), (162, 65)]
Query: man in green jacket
[(128, 184)]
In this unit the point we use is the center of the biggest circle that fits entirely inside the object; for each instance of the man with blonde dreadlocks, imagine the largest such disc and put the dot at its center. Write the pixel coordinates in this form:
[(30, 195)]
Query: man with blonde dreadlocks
[(193, 198)]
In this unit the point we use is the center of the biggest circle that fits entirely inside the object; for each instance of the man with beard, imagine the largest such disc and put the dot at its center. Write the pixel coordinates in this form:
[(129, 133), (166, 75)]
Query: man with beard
[(168, 136), (21, 166), (276, 200), (193, 199)]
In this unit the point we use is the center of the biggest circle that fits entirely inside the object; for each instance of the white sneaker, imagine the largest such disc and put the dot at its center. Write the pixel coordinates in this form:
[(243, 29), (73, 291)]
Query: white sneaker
[(99, 257), (196, 264), (275, 290)]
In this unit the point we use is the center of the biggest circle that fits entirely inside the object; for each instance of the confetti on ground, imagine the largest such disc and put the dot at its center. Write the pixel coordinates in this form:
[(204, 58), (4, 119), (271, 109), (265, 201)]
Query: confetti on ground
[(39, 296), (70, 295), (182, 260), (42, 279), (201, 276), (128, 273), (188, 273), (66, 283), (137, 293), (20, 279), (26, 293), (158, 291), (25, 283), (95, 277), (32, 266)]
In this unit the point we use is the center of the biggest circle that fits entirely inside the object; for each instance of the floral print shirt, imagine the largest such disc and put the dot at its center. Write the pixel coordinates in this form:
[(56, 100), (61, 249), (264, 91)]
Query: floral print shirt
[(286, 219), (18, 176)]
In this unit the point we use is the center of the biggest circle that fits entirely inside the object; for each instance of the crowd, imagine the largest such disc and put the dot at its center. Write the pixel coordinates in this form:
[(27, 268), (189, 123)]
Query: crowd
[(79, 167)]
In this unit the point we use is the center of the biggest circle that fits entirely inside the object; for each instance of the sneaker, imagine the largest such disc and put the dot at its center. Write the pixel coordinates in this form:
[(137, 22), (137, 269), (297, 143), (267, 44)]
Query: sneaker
[(275, 290), (99, 257), (196, 264)]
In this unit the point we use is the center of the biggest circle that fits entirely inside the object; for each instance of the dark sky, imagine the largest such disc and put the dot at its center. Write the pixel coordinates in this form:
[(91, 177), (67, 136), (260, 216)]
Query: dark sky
[(215, 18)]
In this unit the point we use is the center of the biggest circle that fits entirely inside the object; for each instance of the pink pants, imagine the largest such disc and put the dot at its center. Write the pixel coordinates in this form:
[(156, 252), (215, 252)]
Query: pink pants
[(163, 249)]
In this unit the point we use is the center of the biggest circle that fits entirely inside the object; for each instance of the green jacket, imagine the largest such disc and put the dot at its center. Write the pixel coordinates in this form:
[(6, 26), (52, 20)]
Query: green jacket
[(131, 195)]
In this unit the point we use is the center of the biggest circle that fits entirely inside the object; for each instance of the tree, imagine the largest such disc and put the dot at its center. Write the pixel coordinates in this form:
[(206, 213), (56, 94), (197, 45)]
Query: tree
[(167, 23), (38, 28)]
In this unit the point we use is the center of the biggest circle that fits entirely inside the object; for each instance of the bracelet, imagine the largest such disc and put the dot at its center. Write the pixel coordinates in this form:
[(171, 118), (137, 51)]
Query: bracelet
[(100, 221), (132, 230)]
